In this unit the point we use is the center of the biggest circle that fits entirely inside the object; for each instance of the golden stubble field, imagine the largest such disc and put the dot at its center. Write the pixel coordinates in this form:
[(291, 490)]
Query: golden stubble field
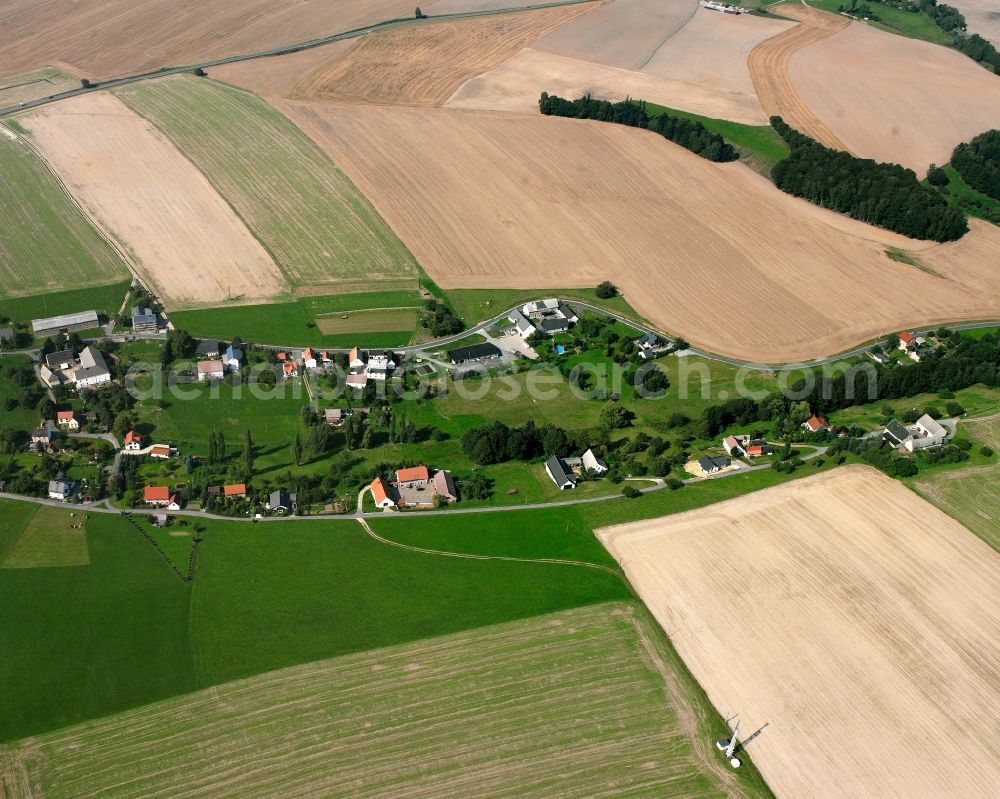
[(425, 64), (892, 98), (176, 230), (538, 202), (849, 616)]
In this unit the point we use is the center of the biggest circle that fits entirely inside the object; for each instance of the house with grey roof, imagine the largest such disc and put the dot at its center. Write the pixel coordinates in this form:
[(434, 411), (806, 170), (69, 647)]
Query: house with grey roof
[(896, 434), (927, 432), (143, 320), (712, 465), (6, 335), (559, 474), (281, 501), (63, 489), (93, 369), (63, 359)]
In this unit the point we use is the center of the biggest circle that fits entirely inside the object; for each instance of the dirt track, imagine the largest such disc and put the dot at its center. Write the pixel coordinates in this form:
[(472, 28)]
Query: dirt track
[(768, 63), (853, 619)]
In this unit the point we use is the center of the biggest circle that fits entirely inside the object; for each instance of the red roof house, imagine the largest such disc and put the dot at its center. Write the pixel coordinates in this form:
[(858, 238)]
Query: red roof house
[(156, 495), (159, 451), (816, 423), (415, 475), (383, 493), (133, 440), (234, 490)]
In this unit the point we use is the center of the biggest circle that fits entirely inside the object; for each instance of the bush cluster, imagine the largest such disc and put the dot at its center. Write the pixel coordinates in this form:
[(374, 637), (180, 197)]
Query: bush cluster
[(978, 162)]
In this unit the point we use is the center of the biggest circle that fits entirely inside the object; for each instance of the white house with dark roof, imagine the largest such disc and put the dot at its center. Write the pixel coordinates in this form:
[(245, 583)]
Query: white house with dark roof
[(93, 369), (926, 432), (559, 474), (62, 489)]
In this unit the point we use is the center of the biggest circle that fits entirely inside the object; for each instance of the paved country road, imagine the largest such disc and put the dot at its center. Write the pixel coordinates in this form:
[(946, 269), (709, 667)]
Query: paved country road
[(296, 47), (102, 506)]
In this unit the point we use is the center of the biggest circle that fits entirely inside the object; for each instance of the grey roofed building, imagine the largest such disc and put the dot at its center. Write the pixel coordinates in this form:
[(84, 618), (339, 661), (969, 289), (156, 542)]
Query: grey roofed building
[(281, 500), (59, 360), (93, 369), (554, 324), (207, 347), (66, 323), (143, 320), (896, 434), (557, 471), (710, 465), (444, 485), (6, 334), (62, 489), (474, 352), (523, 327)]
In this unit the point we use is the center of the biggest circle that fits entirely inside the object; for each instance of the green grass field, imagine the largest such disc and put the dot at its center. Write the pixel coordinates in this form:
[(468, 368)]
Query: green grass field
[(103, 299), (971, 495), (759, 144), (284, 323), (338, 303), (46, 243), (477, 305), (49, 539), (555, 705), (914, 24), (390, 320), (962, 195), (304, 210)]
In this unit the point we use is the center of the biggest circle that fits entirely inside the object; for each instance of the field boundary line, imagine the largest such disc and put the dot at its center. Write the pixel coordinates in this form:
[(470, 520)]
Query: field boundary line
[(469, 556), (126, 261)]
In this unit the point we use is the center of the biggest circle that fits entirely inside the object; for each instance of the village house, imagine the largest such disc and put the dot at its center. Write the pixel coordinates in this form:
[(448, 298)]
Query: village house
[(734, 445), (925, 432), (62, 489), (289, 369), (815, 424), (143, 320), (210, 370), (712, 465), (133, 440), (380, 364), (384, 494), (207, 348), (93, 369), (232, 359), (64, 359), (474, 352), (648, 346), (234, 490), (309, 358), (413, 477), (6, 335), (758, 448), (281, 501), (444, 486), (590, 463), (559, 474), (335, 416), (67, 420), (161, 451), (356, 360), (520, 325), (896, 434), (161, 497), (357, 381), (41, 437), (906, 340)]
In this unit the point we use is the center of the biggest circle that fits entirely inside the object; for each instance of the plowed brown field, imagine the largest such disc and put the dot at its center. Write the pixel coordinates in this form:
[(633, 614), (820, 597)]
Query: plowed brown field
[(849, 620), (769, 61), (489, 200), (425, 64)]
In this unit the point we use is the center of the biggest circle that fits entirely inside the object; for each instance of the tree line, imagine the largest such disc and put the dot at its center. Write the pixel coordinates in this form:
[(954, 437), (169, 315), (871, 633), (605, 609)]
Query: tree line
[(688, 133), (978, 162), (885, 195)]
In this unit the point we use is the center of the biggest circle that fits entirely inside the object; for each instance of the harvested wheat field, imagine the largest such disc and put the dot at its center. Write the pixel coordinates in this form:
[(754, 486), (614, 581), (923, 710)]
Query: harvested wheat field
[(769, 70), (105, 38), (622, 33), (318, 227), (540, 202), (896, 99), (16, 89), (178, 232), (516, 84), (851, 620), (564, 705), (425, 64), (711, 51), (982, 16)]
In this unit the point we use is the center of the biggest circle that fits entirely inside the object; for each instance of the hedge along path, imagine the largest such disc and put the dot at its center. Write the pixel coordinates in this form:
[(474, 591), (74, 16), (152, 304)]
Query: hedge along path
[(768, 63), (308, 215), (468, 556)]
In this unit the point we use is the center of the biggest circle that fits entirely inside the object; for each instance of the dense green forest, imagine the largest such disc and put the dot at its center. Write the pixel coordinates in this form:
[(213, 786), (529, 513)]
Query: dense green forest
[(886, 195), (978, 162), (688, 133)]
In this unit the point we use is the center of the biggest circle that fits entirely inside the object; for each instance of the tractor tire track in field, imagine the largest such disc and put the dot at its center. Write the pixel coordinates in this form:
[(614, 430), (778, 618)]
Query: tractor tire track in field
[(468, 556), (768, 63)]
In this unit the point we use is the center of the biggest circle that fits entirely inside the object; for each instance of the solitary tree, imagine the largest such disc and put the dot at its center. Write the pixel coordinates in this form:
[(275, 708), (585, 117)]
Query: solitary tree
[(419, 14), (297, 450), (607, 290)]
